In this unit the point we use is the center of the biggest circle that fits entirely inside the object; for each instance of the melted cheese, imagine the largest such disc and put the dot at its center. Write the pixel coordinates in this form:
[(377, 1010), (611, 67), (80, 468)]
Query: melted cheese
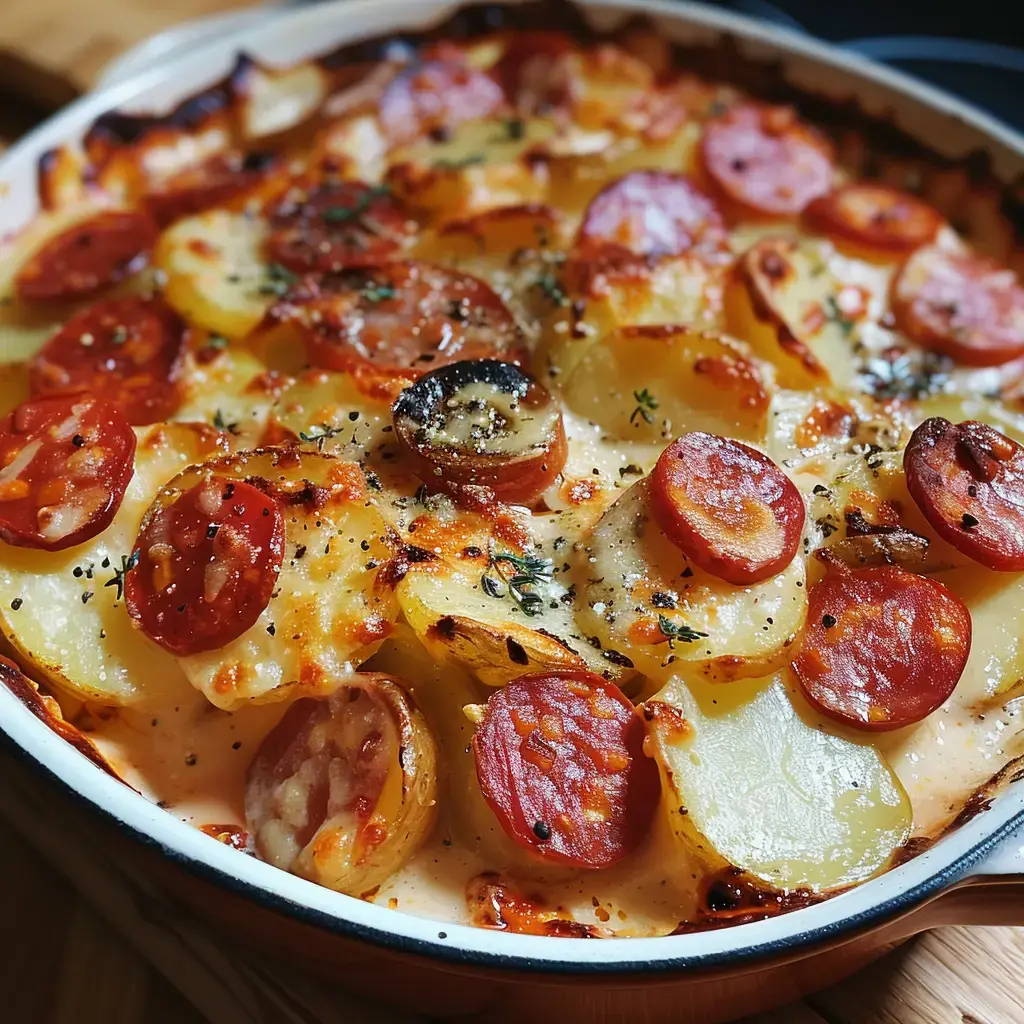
[(789, 355)]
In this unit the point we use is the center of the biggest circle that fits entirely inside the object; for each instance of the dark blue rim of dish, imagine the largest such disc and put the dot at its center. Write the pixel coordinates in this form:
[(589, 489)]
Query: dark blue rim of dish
[(441, 950)]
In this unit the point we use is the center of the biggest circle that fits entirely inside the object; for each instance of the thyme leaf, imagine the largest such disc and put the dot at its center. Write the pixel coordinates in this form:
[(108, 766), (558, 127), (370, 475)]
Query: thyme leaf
[(678, 631), (128, 562), (646, 403)]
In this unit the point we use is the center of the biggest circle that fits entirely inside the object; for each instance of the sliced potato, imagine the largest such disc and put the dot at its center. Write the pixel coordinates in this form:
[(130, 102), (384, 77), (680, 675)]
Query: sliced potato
[(692, 380), (750, 782), (484, 164), (481, 625), (638, 593), (234, 391), (328, 612), (783, 299), (595, 301), (217, 276), (329, 411), (354, 146), (67, 623), (581, 161), (371, 749)]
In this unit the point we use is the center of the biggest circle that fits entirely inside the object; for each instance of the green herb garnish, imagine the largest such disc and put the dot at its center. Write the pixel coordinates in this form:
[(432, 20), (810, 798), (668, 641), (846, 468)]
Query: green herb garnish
[(444, 164), (318, 433), (835, 315), (678, 631), (279, 280), (552, 290), (526, 571), (343, 214), (222, 424), (646, 403), (378, 292), (128, 562)]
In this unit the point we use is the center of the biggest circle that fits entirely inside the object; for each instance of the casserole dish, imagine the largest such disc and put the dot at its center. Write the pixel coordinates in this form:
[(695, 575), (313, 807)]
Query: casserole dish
[(451, 969)]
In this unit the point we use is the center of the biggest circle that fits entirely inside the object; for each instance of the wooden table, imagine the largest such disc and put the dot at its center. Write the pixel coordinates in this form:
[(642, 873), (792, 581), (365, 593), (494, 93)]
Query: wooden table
[(63, 963)]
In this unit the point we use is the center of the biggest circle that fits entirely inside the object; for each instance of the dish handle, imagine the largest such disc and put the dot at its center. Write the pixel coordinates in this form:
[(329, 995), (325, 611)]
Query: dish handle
[(991, 893)]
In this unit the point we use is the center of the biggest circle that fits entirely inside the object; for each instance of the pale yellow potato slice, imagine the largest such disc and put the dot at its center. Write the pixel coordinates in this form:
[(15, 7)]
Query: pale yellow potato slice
[(637, 591), (783, 299), (329, 612), (217, 276), (652, 383), (62, 618), (233, 391), (751, 782)]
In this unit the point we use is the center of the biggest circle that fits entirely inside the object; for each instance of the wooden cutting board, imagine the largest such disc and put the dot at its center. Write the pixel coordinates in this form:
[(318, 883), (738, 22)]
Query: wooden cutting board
[(66, 963)]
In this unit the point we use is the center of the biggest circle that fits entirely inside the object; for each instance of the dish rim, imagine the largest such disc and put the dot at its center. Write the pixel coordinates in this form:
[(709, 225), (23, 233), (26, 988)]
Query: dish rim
[(870, 903)]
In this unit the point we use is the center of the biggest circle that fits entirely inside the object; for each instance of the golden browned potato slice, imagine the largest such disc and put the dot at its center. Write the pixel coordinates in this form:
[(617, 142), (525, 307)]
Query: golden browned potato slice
[(753, 782), (217, 276), (588, 302), (497, 609), (483, 164), (651, 383), (62, 610), (234, 392), (783, 299), (328, 612), (641, 597), (370, 747)]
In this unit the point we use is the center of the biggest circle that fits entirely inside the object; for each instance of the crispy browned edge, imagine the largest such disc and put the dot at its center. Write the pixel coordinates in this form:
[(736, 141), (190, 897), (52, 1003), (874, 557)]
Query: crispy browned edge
[(884, 145)]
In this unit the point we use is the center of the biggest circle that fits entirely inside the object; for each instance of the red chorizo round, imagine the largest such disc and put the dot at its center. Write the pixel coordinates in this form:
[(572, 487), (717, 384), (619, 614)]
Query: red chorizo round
[(765, 160), (727, 507), (559, 758), (205, 564), (88, 257), (883, 647), (962, 305), (129, 351), (65, 463)]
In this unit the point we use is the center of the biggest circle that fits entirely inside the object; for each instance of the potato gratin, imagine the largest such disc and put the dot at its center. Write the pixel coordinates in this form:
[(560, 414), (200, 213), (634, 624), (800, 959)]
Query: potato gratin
[(510, 478)]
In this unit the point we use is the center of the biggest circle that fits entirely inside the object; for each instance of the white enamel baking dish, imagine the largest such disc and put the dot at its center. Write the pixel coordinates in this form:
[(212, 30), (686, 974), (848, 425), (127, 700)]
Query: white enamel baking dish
[(974, 875)]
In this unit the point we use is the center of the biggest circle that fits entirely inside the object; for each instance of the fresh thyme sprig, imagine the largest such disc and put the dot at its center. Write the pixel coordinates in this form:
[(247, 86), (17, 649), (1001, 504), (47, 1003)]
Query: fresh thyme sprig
[(378, 292), (222, 424), (318, 433), (343, 214), (128, 562), (646, 403), (526, 571), (552, 290), (279, 280), (678, 631), (835, 315)]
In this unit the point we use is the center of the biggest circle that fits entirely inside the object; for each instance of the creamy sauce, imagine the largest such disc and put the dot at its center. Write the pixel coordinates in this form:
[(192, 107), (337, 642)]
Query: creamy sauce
[(191, 758)]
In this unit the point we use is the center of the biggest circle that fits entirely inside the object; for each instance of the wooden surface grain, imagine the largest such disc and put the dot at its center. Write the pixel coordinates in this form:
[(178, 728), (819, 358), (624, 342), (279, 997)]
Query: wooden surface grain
[(64, 963)]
